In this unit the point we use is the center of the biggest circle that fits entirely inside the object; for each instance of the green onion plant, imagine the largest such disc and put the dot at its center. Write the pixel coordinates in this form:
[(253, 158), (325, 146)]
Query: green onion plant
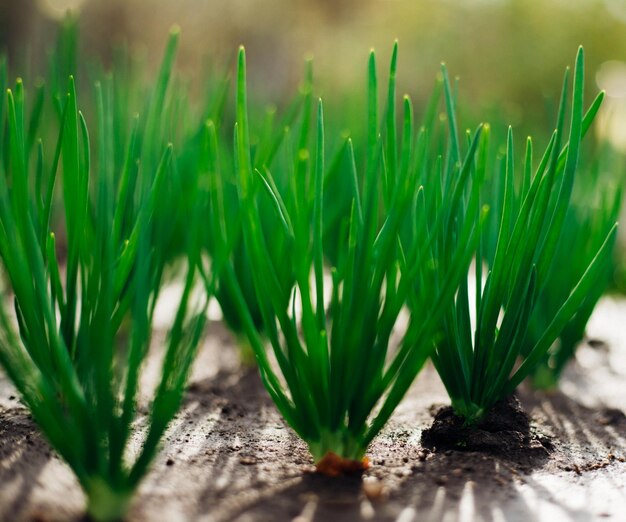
[(594, 211), (80, 326), (482, 363), (217, 178), (331, 370)]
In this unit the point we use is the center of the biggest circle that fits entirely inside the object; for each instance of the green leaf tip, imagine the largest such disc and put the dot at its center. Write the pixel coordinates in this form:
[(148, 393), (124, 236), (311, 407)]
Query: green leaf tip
[(241, 67), (394, 56)]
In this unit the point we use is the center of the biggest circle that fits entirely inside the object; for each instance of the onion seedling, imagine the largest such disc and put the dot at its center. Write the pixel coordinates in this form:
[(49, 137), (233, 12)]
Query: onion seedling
[(331, 371), (593, 213), (75, 367), (482, 365), (217, 176)]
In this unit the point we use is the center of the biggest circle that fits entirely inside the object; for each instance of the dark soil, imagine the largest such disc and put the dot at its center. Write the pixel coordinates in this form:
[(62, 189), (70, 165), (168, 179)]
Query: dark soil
[(504, 432), (228, 455)]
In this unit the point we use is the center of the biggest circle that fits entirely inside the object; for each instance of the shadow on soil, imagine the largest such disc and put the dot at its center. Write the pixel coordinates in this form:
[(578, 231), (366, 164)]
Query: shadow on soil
[(442, 483), (580, 440), (250, 466), (23, 455)]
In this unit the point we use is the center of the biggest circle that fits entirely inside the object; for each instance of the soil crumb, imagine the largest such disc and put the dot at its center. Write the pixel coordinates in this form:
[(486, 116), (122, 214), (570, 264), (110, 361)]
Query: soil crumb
[(505, 432)]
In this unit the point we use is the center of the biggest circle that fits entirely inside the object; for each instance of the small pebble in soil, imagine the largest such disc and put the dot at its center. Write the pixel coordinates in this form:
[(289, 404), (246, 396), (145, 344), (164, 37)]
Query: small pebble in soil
[(248, 460), (374, 489), (441, 481)]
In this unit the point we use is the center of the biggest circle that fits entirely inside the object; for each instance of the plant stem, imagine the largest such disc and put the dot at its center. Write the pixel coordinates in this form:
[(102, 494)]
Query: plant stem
[(104, 503), (341, 443)]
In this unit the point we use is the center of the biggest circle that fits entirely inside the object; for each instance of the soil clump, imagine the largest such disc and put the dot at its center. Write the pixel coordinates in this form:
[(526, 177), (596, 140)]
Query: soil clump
[(505, 431)]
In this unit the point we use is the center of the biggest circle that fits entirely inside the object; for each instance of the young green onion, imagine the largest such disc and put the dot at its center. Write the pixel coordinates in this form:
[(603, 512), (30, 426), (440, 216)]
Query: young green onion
[(84, 328), (217, 176), (331, 370), (479, 366), (594, 211)]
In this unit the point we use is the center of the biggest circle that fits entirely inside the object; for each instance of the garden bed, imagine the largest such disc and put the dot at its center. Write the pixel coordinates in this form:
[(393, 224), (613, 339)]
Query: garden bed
[(229, 456)]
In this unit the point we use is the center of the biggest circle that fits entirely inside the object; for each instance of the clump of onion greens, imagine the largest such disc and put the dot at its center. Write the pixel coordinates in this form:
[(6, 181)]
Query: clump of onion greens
[(217, 179), (81, 326), (331, 371), (481, 364), (594, 211)]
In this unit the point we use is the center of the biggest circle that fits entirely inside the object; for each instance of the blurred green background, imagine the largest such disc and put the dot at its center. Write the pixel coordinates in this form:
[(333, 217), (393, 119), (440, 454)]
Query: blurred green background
[(508, 54)]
